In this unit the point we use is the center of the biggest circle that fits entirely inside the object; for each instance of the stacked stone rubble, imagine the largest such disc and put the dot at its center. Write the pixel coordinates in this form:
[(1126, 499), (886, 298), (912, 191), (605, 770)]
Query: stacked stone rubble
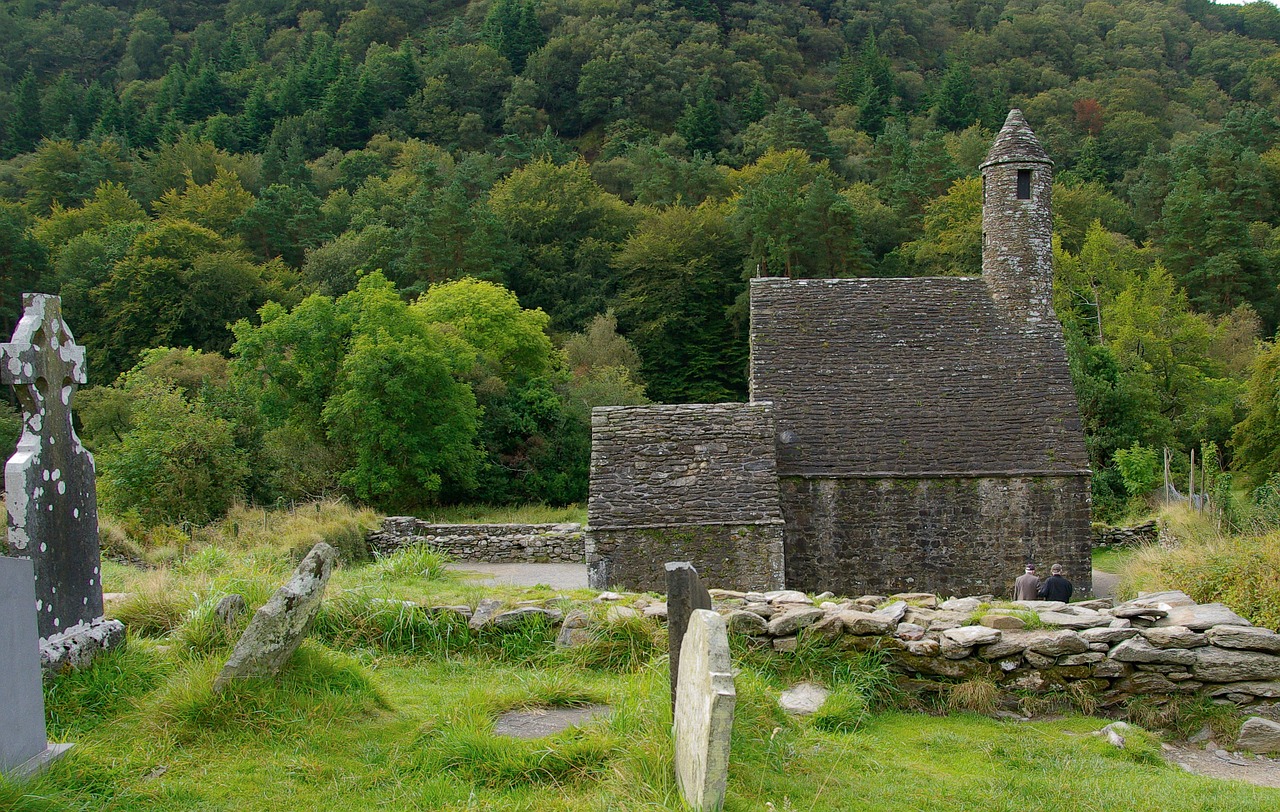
[(1145, 533), (489, 543)]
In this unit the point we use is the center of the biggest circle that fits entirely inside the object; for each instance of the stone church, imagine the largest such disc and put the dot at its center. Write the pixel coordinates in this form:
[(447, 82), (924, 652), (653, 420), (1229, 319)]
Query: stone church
[(915, 434)]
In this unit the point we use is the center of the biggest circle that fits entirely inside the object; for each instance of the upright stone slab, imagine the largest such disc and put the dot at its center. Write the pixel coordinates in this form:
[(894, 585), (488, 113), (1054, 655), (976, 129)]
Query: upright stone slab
[(704, 712), (684, 594), (49, 481), (277, 629), (23, 745)]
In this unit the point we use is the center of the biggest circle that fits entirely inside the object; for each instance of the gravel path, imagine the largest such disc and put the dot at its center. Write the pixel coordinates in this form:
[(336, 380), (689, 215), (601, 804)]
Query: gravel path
[(1105, 584), (556, 576)]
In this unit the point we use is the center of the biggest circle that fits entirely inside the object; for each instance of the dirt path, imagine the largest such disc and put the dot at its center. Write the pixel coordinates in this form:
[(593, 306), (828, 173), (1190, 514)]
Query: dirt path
[(1105, 584), (1257, 770), (556, 576)]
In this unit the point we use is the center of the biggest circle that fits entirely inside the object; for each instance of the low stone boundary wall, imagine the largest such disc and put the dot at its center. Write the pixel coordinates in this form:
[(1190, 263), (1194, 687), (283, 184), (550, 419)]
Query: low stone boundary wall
[(1158, 646), (1145, 533), (488, 543)]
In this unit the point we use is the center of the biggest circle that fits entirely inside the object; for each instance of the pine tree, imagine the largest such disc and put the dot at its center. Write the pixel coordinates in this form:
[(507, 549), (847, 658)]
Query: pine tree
[(956, 98), (700, 124), (24, 126)]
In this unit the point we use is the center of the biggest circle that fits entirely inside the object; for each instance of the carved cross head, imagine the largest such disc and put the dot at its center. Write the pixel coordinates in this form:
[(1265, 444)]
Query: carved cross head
[(44, 365)]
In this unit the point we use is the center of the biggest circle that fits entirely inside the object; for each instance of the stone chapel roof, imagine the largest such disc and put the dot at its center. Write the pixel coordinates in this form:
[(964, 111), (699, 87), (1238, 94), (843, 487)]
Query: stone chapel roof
[(909, 377), (1016, 143)]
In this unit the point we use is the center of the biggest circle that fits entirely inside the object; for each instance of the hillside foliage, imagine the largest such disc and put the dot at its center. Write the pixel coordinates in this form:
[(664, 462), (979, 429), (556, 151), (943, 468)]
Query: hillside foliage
[(398, 250)]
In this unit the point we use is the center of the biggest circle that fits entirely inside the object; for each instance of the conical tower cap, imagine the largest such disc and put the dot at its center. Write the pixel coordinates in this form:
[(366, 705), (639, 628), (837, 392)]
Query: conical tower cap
[(1016, 143)]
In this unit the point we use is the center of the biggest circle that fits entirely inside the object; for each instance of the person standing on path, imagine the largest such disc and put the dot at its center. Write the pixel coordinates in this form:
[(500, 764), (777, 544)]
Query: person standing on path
[(1027, 586), (1056, 587)]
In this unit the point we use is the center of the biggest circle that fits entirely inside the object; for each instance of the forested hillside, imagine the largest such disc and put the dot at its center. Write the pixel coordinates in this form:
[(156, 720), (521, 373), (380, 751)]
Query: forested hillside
[(399, 249)]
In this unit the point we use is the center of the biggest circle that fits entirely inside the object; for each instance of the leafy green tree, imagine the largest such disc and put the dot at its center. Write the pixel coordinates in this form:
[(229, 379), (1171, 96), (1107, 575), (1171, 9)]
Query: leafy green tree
[(23, 261), (511, 27), (1256, 439), (951, 242), (1139, 467)]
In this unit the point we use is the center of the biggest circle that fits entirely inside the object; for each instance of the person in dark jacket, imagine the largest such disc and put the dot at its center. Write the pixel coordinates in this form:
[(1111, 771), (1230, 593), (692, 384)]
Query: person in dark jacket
[(1055, 587)]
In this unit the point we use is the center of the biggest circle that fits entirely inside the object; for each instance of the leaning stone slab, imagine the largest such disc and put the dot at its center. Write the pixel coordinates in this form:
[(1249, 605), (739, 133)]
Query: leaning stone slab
[(1251, 638), (1138, 650), (277, 628), (740, 621), (685, 594), (1202, 617), (893, 612), (1258, 735), (575, 631), (703, 725), (972, 635), (1213, 664)]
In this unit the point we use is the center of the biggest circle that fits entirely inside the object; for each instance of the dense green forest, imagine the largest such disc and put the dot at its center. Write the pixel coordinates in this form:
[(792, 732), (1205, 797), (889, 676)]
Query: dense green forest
[(399, 249)]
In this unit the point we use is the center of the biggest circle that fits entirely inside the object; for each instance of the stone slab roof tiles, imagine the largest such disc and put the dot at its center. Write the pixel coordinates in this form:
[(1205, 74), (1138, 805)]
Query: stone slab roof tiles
[(909, 377)]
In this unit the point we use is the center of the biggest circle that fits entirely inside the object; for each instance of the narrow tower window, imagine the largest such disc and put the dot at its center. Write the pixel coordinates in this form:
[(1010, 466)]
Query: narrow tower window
[(1024, 184)]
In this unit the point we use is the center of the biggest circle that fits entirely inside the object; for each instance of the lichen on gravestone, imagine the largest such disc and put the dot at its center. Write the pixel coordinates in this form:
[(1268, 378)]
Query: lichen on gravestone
[(50, 493), (703, 724)]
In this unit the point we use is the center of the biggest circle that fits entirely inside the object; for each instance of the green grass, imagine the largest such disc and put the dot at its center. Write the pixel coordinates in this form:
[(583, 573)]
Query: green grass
[(506, 514), (392, 706), (1113, 559)]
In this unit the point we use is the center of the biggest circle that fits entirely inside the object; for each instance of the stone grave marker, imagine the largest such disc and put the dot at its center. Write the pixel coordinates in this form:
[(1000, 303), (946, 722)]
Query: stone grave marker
[(277, 629), (704, 712), (49, 481), (684, 594), (24, 747)]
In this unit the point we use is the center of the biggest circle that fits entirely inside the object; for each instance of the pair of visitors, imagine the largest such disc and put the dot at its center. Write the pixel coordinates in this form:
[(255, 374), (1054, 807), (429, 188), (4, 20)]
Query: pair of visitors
[(1029, 587)]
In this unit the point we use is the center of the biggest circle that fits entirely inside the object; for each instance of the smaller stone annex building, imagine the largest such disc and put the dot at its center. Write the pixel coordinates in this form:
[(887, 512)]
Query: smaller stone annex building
[(915, 434)]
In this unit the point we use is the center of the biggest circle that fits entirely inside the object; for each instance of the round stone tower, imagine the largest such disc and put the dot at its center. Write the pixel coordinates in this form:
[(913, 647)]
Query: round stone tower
[(1017, 226)]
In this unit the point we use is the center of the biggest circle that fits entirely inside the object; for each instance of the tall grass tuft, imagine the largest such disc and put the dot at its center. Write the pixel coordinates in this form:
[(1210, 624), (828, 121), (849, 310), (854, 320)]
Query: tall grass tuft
[(316, 686), (1241, 571), (624, 645), (80, 700), (1183, 716), (157, 605), (354, 620), (418, 561), (976, 695)]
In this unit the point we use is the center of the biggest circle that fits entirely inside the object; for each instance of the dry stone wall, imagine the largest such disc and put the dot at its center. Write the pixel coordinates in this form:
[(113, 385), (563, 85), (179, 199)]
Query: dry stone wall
[(957, 536), (693, 483), (488, 543)]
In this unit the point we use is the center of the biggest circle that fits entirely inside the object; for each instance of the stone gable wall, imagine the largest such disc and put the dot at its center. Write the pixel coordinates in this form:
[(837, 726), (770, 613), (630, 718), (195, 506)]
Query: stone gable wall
[(488, 543), (954, 536)]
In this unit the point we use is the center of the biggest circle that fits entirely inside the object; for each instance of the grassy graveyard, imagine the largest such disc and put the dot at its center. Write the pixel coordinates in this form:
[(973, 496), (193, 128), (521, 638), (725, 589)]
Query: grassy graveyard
[(386, 707)]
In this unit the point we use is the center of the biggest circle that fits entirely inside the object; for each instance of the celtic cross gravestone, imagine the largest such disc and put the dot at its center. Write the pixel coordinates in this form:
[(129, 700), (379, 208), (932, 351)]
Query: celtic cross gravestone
[(49, 481)]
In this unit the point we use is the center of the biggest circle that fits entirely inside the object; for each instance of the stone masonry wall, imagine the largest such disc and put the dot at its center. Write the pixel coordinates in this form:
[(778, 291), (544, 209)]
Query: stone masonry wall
[(489, 543), (724, 555), (694, 482), (953, 536)]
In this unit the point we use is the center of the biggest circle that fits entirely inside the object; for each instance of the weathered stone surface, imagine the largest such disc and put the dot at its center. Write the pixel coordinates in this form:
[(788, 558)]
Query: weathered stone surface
[(1138, 650), (1074, 621), (786, 645), (1040, 606), (893, 611), (966, 605), (856, 622), (1112, 669), (277, 628), (230, 609), (1050, 643), (23, 738), (942, 666), (575, 630), (542, 722), (515, 618), (927, 600), (685, 594), (1003, 622), (828, 627), (80, 645), (923, 648), (1087, 658), (484, 612), (1201, 617), (972, 635), (953, 650), (804, 699), (1173, 597), (1250, 638), (909, 631), (49, 491), (1258, 735), (793, 620), (1097, 604), (1038, 660), (742, 622), (614, 614), (1269, 690), (1128, 611), (787, 596), (1213, 664), (656, 610), (1174, 637), (704, 712), (1107, 634), (1145, 682)]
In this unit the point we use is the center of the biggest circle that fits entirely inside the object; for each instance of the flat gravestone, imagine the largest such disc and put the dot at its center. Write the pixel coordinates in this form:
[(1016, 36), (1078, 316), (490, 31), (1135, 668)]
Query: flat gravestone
[(24, 747), (536, 723), (704, 712), (277, 629), (684, 594), (49, 481)]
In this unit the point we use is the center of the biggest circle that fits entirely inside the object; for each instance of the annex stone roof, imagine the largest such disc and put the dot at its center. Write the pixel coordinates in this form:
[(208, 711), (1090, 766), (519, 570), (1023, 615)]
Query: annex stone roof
[(909, 377)]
